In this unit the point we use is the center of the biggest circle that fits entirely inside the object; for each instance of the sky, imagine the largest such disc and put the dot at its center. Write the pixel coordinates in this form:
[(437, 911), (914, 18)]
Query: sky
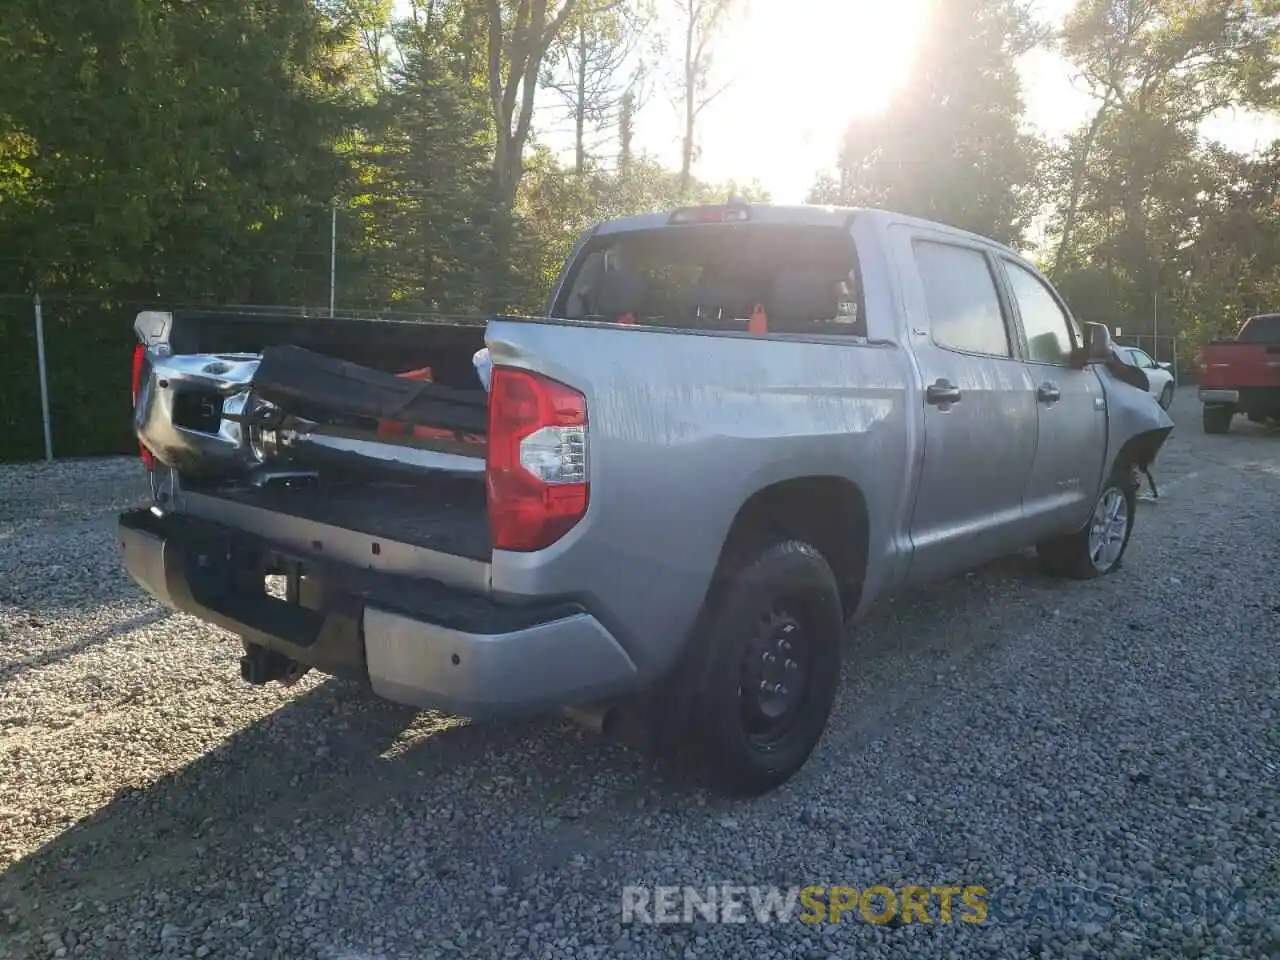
[(801, 69)]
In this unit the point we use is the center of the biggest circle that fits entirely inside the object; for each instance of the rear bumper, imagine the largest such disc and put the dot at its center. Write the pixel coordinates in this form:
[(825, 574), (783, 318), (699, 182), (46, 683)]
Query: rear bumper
[(1212, 395), (416, 642), (1262, 401)]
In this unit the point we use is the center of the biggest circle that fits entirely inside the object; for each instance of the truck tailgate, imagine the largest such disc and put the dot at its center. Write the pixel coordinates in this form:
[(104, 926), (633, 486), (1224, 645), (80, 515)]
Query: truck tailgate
[(1232, 365), (365, 460)]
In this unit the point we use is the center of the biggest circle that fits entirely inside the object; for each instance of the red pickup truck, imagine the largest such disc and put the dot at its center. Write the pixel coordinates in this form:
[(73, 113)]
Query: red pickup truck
[(1242, 375)]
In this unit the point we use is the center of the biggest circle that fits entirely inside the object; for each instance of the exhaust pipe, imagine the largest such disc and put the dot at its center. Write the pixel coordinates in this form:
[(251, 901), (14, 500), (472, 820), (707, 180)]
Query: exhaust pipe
[(600, 719)]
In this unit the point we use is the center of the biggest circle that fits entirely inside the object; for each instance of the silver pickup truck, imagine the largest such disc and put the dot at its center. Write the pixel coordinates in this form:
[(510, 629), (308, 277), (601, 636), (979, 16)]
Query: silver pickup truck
[(734, 429)]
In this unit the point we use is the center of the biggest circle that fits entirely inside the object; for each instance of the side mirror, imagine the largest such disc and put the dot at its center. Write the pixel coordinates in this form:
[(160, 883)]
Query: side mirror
[(1165, 366), (1097, 343)]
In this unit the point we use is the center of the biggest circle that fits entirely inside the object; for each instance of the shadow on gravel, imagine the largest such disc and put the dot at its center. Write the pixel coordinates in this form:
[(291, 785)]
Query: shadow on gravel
[(338, 755), (334, 754), (65, 652)]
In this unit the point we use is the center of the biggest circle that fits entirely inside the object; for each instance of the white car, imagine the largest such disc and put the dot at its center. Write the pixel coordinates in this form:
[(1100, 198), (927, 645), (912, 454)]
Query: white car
[(1159, 375)]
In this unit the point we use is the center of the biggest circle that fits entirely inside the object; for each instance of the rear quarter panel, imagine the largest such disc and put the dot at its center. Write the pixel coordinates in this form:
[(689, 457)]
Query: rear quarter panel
[(684, 428)]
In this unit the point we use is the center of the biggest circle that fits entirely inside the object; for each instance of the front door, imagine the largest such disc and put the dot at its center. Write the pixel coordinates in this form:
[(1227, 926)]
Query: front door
[(1071, 448), (978, 404)]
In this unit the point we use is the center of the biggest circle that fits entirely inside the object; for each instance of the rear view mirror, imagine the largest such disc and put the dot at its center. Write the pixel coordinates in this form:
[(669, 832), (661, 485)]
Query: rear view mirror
[(1097, 343)]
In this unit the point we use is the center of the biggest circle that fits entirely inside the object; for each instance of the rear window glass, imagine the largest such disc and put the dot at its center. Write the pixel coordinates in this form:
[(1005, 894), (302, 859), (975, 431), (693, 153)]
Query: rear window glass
[(1265, 329), (715, 276)]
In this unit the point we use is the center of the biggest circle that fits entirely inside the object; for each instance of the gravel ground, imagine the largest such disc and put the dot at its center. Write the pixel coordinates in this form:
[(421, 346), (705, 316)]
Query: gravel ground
[(1041, 739)]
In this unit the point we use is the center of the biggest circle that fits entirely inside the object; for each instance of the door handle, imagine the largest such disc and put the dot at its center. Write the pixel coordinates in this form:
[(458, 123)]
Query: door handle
[(942, 392), (1048, 393)]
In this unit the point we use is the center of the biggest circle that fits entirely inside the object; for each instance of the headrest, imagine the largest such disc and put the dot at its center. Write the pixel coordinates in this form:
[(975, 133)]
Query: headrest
[(710, 294), (803, 295), (717, 292), (620, 291)]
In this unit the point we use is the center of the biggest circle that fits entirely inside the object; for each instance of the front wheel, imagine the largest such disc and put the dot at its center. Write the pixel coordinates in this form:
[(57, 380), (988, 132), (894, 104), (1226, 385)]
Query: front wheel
[(774, 657), (1166, 396), (1098, 548)]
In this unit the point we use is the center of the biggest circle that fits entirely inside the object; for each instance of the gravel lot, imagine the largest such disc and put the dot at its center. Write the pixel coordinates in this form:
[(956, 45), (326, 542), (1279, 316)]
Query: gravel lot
[(1002, 729)]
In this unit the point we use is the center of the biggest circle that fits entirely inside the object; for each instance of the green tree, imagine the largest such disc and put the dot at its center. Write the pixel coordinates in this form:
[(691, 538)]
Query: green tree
[(429, 206), (172, 150), (1138, 192), (951, 145), (520, 36), (556, 204), (700, 22), (595, 67), (1156, 70)]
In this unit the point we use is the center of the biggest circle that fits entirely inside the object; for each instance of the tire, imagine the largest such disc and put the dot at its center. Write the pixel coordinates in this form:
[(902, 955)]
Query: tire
[(1077, 555), (1166, 396), (1217, 419), (782, 600)]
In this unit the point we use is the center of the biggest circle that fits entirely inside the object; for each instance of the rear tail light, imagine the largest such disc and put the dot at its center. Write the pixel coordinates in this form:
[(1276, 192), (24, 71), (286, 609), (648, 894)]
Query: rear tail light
[(139, 365), (536, 472), (139, 359)]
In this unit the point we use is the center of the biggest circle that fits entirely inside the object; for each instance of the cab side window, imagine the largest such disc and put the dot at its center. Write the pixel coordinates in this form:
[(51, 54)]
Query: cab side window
[(962, 299), (1046, 324)]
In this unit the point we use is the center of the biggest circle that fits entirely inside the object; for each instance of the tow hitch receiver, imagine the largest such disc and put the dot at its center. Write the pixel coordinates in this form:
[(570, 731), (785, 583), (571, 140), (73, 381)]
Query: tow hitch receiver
[(260, 665)]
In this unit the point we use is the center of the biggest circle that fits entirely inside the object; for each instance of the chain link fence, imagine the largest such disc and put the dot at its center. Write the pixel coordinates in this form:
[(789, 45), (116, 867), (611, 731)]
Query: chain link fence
[(88, 346)]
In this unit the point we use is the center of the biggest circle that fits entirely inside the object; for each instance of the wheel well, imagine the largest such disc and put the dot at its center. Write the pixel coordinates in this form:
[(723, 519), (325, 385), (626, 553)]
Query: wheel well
[(829, 513), (1141, 450)]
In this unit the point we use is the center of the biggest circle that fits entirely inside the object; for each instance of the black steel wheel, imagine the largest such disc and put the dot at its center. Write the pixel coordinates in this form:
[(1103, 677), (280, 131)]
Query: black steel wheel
[(774, 658), (775, 673)]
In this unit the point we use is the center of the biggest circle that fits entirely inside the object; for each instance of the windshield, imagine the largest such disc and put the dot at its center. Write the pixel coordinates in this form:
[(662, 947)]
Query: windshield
[(715, 276), (1263, 329)]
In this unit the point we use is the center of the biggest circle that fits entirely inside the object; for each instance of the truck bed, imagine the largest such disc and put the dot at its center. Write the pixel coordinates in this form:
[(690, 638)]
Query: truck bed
[(449, 515), (382, 344)]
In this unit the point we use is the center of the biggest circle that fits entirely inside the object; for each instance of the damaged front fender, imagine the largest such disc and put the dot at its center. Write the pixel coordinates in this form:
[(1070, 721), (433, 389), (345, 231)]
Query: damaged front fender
[(1137, 426)]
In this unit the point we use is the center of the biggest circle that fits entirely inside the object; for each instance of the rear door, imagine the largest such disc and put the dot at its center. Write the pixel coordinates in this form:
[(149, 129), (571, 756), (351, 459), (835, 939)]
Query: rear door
[(1071, 444), (978, 404)]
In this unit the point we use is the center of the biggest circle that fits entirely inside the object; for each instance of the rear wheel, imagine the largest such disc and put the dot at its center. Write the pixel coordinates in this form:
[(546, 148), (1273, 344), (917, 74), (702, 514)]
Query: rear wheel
[(1217, 419), (1099, 547), (774, 657)]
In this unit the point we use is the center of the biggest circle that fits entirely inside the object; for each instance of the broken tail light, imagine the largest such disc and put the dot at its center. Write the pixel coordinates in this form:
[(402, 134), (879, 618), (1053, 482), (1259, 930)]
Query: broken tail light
[(139, 366), (536, 471)]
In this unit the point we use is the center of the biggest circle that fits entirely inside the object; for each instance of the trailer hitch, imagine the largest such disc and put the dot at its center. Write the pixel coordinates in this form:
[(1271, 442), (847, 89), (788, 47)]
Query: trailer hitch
[(260, 665)]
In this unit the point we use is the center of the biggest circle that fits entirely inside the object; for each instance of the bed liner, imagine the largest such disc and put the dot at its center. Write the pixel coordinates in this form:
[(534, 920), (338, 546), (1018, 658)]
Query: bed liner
[(448, 514)]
